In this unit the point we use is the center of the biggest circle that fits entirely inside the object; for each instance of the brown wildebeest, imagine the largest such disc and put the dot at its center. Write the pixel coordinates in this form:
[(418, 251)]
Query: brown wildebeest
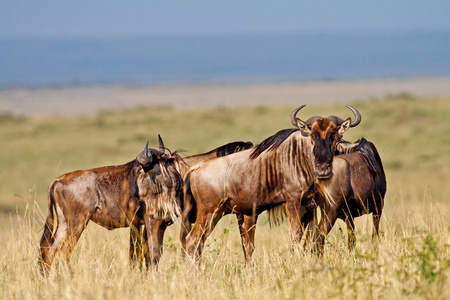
[(111, 196), (158, 226), (357, 187), (279, 170)]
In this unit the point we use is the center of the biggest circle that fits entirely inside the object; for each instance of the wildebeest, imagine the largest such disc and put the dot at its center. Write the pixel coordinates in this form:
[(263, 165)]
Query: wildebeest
[(279, 170), (158, 226), (111, 196), (357, 187)]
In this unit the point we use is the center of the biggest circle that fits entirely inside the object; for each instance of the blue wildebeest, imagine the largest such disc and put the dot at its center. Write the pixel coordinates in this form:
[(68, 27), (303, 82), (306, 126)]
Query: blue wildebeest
[(158, 226), (279, 170), (111, 197), (357, 187)]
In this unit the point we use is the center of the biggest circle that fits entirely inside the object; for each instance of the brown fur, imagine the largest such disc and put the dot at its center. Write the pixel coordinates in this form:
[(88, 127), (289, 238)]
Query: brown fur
[(281, 169), (164, 217), (244, 186), (106, 196), (323, 128), (357, 187)]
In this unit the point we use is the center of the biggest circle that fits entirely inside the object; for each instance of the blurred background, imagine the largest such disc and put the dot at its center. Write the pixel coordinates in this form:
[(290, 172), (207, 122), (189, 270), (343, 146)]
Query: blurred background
[(87, 83), (71, 43)]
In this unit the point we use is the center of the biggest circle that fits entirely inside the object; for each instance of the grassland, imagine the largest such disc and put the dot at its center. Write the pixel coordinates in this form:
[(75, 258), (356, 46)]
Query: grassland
[(410, 260)]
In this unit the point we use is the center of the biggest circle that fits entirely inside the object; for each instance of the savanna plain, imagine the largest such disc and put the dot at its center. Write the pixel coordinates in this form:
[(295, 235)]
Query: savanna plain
[(411, 259)]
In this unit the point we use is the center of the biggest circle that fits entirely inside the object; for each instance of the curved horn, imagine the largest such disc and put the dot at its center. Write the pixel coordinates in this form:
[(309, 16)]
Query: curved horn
[(294, 114), (146, 150), (336, 120), (161, 144), (357, 116), (144, 158), (311, 120)]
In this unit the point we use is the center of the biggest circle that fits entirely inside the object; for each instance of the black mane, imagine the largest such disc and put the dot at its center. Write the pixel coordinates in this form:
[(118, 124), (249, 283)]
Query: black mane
[(134, 190), (231, 148), (272, 142)]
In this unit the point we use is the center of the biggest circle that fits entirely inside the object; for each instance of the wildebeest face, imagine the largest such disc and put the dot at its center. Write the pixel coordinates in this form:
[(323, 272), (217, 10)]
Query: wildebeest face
[(149, 160), (159, 183), (153, 168), (325, 134), (160, 193)]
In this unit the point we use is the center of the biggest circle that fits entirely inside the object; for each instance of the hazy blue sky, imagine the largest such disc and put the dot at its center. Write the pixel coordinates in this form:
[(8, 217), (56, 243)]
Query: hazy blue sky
[(202, 17)]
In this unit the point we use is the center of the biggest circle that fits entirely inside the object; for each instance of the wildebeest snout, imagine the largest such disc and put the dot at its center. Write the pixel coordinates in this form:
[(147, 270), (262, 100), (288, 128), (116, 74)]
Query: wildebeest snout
[(323, 170)]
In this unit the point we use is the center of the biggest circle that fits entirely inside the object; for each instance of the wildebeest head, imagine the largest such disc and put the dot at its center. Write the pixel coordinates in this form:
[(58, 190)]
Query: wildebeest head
[(325, 133), (159, 183), (149, 158)]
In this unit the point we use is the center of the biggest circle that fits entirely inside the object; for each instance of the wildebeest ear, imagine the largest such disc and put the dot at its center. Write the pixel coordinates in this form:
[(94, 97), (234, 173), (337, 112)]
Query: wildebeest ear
[(161, 144), (344, 126), (304, 128)]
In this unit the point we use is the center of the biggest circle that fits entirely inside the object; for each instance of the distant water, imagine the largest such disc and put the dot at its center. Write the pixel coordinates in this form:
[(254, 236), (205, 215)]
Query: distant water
[(27, 62)]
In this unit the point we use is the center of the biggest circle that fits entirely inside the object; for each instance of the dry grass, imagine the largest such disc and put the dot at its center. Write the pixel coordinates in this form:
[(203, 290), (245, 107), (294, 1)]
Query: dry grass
[(411, 259)]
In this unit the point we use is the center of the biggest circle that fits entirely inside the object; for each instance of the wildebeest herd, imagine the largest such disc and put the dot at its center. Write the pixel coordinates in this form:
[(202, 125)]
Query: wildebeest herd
[(295, 172)]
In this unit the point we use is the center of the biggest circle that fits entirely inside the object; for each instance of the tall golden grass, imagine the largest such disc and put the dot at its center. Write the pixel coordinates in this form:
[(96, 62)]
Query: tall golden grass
[(411, 258)]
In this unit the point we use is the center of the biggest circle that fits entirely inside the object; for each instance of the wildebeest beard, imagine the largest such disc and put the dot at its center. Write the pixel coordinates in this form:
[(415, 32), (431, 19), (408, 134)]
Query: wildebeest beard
[(161, 192)]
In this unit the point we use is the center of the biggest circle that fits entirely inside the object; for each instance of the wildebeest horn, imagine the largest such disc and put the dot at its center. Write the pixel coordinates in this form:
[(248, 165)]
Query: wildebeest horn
[(357, 116), (294, 114), (144, 158), (295, 121), (161, 144), (146, 150), (311, 120)]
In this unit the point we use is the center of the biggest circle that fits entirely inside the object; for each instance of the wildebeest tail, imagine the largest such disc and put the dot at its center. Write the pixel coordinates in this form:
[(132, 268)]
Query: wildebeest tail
[(190, 207), (189, 212), (52, 220), (277, 214), (370, 154)]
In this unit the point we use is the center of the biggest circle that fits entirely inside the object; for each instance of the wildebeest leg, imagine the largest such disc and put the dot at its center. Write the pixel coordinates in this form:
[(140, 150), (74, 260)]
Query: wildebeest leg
[(47, 241), (155, 232), (66, 237), (296, 230), (51, 244), (60, 239), (376, 225), (188, 217), (308, 224), (203, 226), (350, 232), (138, 237), (72, 240), (308, 214), (247, 229), (326, 223), (376, 215)]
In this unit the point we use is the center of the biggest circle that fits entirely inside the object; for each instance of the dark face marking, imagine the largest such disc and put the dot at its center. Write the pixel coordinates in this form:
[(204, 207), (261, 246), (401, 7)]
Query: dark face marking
[(324, 134), (152, 168)]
